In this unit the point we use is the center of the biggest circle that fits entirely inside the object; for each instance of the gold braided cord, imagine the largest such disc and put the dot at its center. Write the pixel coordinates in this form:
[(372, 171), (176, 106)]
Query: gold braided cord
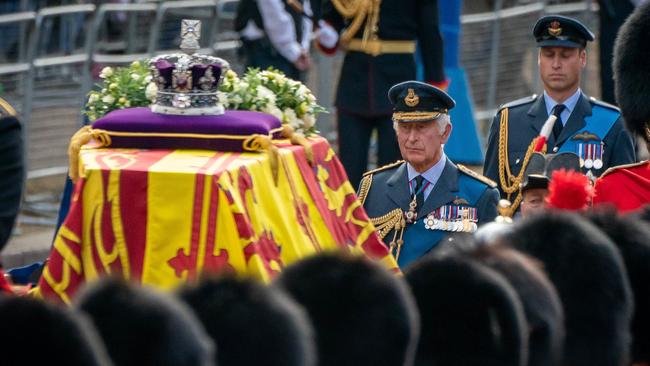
[(512, 184), (385, 223), (348, 8), (358, 11), (364, 188)]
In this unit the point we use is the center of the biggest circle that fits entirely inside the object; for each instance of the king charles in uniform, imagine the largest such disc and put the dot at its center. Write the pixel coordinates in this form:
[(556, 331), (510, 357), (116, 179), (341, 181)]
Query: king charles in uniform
[(627, 187), (417, 202), (591, 129)]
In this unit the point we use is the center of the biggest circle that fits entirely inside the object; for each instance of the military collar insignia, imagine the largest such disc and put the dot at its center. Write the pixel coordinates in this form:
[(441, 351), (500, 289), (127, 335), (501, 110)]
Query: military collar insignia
[(411, 99), (554, 28), (586, 136)]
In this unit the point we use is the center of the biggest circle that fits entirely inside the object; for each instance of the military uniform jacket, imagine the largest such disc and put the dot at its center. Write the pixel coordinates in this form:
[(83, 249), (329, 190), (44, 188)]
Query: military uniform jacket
[(526, 117), (459, 192), (365, 79)]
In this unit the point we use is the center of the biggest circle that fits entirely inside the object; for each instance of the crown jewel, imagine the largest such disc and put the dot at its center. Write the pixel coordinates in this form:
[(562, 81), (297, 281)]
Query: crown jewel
[(188, 82)]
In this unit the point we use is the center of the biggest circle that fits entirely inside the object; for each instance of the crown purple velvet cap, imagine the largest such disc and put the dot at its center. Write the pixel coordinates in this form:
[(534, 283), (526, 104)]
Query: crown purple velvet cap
[(143, 121)]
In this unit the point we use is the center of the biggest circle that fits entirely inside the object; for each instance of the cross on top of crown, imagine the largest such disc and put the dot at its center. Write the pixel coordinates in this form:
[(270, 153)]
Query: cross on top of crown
[(190, 34)]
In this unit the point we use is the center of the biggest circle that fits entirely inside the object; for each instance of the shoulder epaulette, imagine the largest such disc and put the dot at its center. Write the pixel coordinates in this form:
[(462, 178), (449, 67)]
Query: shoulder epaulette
[(604, 104), (518, 102), (618, 167), (6, 109), (382, 168), (475, 175)]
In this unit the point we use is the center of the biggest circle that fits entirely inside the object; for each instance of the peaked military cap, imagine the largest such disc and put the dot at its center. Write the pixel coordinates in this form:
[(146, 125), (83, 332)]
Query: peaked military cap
[(561, 31), (540, 168), (415, 101)]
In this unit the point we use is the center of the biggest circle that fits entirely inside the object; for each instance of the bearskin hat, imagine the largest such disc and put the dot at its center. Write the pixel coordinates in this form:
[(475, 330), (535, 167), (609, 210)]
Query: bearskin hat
[(632, 237), (589, 275), (252, 324), (470, 314), (631, 72), (362, 314), (142, 327), (37, 333), (12, 171), (542, 305)]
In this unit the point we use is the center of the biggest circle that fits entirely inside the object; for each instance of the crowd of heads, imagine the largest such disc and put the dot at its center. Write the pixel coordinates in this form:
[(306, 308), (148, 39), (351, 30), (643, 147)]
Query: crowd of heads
[(556, 289)]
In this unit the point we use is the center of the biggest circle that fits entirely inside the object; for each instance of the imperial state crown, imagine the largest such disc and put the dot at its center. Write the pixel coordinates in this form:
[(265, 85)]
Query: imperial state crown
[(188, 82)]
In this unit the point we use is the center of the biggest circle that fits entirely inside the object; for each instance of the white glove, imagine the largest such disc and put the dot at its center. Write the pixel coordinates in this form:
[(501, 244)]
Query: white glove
[(327, 35)]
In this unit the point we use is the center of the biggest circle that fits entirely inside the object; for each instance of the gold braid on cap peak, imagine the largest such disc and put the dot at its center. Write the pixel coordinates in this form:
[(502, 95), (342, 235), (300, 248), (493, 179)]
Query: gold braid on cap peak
[(417, 116), (358, 11)]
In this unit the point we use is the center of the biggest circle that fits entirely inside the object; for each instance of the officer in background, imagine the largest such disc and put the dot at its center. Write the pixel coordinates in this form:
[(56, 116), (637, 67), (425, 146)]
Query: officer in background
[(417, 202), (585, 126), (12, 174), (539, 172), (276, 33), (379, 38)]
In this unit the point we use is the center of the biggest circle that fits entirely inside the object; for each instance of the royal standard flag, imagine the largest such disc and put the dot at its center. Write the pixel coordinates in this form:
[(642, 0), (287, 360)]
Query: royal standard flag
[(163, 217)]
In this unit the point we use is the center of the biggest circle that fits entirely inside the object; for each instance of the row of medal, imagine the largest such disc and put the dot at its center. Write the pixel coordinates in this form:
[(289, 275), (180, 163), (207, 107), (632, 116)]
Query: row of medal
[(452, 218), (591, 155)]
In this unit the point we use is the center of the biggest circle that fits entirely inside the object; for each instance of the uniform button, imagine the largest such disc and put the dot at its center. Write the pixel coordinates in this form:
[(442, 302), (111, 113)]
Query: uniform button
[(555, 149)]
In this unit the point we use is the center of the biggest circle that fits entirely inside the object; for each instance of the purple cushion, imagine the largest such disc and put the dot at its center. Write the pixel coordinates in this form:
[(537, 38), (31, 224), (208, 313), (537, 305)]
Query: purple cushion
[(142, 121)]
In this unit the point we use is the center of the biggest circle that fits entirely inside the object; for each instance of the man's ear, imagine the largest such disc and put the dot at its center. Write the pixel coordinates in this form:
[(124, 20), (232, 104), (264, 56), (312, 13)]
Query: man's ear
[(583, 57), (446, 133)]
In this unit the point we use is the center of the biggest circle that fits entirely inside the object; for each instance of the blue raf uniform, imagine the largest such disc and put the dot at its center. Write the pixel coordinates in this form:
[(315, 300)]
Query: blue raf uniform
[(593, 129), (456, 199)]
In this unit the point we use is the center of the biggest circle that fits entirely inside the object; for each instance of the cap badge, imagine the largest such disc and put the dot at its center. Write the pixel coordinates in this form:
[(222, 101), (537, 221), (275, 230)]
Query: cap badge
[(411, 99), (554, 28)]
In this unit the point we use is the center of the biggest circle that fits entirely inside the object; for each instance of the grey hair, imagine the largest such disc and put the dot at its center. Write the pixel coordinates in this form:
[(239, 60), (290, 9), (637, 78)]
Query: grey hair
[(443, 120)]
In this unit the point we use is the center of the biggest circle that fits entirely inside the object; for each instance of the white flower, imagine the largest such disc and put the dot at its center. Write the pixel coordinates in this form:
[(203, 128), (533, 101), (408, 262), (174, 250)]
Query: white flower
[(289, 116), (272, 109), (236, 99), (264, 92), (302, 90), (151, 91), (135, 76), (93, 98), (309, 121), (108, 99), (243, 85), (106, 72), (148, 78)]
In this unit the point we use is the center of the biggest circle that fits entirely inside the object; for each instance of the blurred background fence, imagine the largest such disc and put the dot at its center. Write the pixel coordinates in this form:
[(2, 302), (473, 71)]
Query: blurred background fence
[(52, 51)]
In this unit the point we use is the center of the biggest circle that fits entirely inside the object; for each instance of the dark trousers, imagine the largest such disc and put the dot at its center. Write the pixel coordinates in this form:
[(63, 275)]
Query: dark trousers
[(261, 54), (354, 139)]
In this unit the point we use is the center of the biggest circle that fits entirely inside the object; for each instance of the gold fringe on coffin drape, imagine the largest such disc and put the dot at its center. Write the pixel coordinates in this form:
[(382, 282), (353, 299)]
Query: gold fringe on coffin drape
[(250, 143)]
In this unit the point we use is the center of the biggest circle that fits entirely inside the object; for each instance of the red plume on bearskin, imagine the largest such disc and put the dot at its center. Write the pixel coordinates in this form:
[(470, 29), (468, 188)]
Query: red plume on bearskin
[(569, 190)]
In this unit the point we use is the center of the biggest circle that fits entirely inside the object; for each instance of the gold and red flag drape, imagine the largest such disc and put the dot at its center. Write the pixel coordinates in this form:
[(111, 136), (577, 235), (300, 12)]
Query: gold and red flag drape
[(162, 217)]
